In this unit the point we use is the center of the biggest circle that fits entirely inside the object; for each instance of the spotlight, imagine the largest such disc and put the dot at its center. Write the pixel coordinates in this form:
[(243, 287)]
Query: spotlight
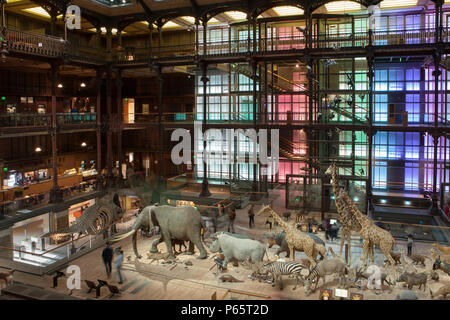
[(297, 65), (60, 85), (408, 203), (83, 85), (383, 201), (83, 144), (38, 149)]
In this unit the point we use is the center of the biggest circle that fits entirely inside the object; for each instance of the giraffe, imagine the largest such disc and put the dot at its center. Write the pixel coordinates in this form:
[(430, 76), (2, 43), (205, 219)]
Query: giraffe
[(296, 239), (371, 233), (346, 219)]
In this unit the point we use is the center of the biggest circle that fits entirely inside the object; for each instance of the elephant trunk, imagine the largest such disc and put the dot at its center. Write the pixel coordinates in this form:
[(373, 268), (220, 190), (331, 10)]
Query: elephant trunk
[(140, 221)]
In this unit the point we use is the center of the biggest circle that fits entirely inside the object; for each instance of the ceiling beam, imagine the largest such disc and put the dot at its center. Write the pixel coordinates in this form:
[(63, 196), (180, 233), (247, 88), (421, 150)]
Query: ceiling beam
[(194, 5), (147, 10)]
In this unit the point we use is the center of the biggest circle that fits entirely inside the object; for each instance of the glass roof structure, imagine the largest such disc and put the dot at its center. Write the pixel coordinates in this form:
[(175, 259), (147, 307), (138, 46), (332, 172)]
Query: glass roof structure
[(113, 3)]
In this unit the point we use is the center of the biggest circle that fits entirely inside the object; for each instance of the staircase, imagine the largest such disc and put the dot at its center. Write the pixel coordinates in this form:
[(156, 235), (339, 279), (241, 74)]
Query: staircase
[(283, 85), (345, 113)]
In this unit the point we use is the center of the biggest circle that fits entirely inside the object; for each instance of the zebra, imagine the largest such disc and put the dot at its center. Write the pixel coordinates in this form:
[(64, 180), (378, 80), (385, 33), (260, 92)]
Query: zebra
[(279, 268)]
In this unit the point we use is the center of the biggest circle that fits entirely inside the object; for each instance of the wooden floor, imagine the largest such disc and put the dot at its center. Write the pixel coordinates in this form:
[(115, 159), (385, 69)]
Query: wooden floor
[(153, 281)]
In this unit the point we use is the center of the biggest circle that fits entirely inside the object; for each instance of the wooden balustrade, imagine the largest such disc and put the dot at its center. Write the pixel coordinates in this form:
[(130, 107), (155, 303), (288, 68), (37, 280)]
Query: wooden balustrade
[(35, 43)]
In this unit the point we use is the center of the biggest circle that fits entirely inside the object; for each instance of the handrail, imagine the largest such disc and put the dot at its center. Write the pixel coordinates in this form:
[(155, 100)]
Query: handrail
[(60, 245), (35, 43), (43, 119), (35, 34), (54, 46)]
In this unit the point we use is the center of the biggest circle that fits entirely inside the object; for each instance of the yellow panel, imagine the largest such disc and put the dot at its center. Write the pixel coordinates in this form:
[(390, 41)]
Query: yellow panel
[(342, 6)]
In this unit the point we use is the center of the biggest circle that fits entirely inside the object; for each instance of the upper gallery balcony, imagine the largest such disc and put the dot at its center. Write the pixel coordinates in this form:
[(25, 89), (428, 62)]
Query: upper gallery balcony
[(44, 120), (41, 45), (34, 44), (279, 43)]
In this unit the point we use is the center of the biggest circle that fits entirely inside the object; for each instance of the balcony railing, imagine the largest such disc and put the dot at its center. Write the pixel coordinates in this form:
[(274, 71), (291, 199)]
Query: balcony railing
[(288, 43), (25, 120), (188, 117), (45, 119), (35, 43), (76, 118), (53, 46)]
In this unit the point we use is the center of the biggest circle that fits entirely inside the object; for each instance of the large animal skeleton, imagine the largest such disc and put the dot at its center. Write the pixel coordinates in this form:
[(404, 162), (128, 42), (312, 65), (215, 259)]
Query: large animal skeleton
[(95, 219)]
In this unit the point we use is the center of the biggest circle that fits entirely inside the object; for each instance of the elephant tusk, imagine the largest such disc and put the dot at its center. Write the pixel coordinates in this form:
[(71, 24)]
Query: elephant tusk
[(123, 236)]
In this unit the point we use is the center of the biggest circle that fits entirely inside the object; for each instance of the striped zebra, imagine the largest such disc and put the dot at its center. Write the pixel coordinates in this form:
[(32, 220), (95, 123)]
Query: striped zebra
[(279, 268)]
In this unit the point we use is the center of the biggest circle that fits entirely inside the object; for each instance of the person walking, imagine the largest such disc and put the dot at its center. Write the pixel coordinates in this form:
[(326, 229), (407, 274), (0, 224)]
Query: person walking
[(231, 218), (251, 216), (107, 256), (410, 243), (119, 263)]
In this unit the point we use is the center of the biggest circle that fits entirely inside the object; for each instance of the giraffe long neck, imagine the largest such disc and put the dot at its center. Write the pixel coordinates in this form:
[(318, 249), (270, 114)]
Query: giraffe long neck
[(355, 211), (335, 182), (278, 219)]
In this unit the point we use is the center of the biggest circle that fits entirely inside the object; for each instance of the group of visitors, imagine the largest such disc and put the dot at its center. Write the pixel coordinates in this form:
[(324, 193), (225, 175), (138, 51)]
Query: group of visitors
[(331, 230), (232, 218), (107, 256)]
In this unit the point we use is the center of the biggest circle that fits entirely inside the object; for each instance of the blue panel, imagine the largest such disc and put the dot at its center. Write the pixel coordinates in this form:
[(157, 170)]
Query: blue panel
[(411, 176)]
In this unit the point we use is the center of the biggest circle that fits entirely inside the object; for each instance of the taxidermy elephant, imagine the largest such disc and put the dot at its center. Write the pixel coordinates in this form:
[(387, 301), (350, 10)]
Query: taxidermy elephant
[(181, 223)]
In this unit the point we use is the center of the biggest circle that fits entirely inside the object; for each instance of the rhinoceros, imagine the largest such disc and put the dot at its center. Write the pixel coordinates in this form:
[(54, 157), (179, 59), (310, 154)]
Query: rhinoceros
[(237, 248)]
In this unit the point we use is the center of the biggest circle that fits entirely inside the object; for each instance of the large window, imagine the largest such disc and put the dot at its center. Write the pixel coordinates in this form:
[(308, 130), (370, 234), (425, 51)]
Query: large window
[(380, 108), (413, 107), (412, 79), (411, 176), (297, 104), (379, 174), (389, 145), (412, 145)]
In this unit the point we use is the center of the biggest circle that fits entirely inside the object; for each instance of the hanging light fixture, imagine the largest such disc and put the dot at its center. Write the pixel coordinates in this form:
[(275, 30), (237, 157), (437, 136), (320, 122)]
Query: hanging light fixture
[(60, 85), (83, 144), (38, 149), (83, 85)]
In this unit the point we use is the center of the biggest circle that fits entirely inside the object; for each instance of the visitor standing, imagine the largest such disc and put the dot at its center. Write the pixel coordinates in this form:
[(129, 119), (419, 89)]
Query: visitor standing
[(231, 218), (334, 231), (119, 262), (251, 216), (269, 222), (107, 256), (410, 243)]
